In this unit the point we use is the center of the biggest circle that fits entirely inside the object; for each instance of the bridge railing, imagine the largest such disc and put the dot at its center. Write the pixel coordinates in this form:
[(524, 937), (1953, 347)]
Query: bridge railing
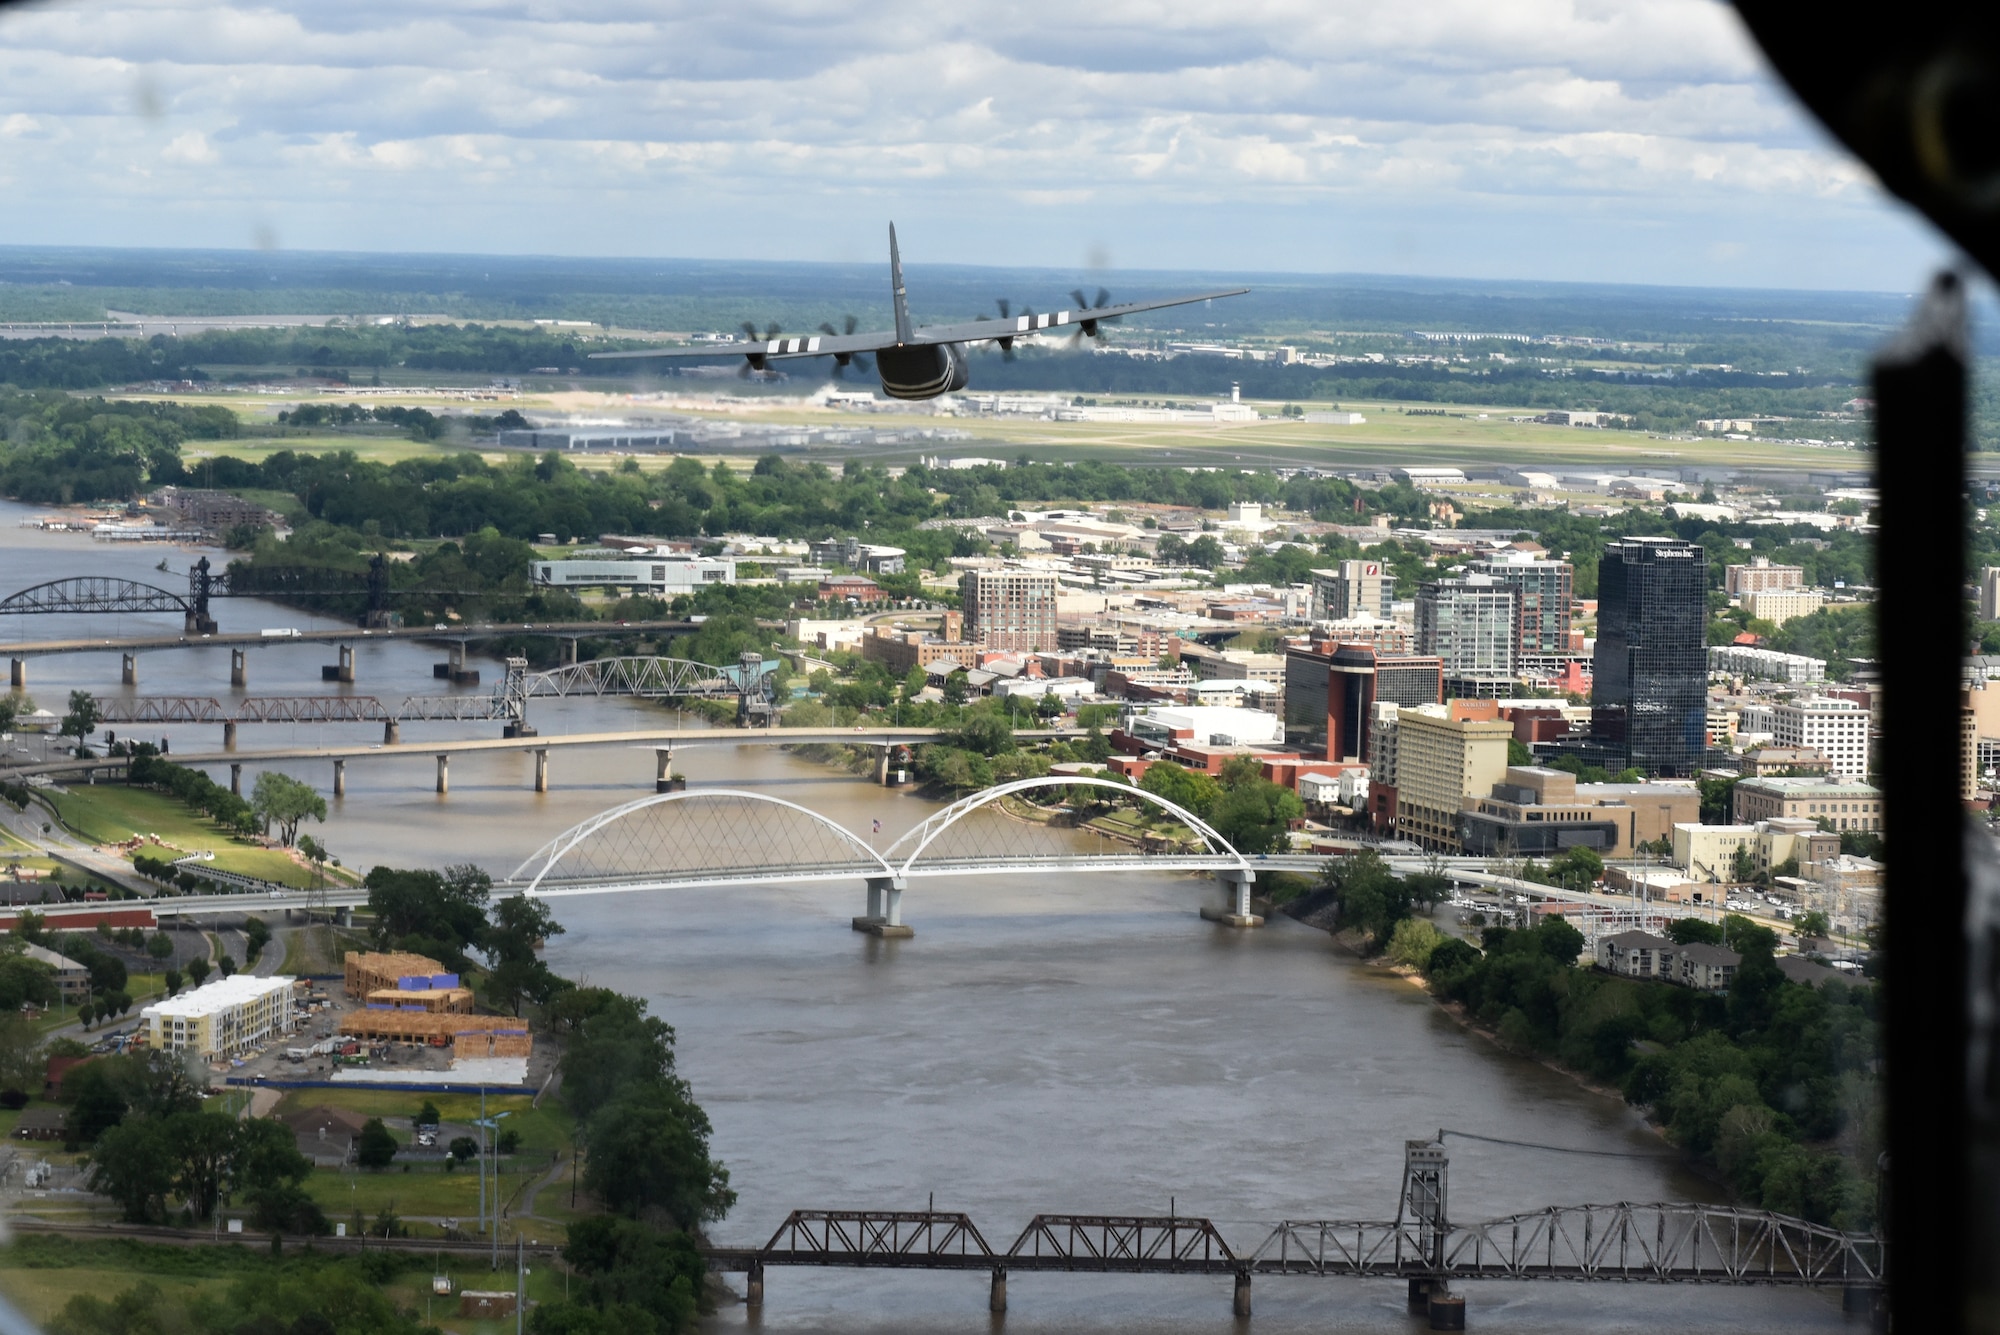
[(1154, 1243), (1656, 1242)]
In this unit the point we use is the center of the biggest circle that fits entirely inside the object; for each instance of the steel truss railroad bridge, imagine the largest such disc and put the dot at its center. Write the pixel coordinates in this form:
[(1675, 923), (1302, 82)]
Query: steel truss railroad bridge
[(1651, 1243), (113, 594), (748, 682)]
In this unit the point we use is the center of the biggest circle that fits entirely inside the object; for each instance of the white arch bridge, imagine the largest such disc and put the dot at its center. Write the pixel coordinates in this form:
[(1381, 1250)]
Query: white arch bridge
[(718, 837)]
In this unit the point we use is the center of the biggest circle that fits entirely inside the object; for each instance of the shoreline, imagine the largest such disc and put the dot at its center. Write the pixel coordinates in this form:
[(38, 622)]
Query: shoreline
[(1457, 1013)]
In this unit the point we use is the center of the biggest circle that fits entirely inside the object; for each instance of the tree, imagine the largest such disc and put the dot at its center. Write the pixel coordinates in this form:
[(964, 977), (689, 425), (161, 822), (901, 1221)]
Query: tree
[(1813, 923), (376, 1147), (284, 801), (1255, 817), (1413, 942), (159, 945), (428, 1115), (463, 1148), (133, 1164), (257, 934), (204, 1146), (172, 978), (1742, 864), (82, 718), (649, 1154), (97, 1100), (197, 969), (1693, 932), (1196, 793)]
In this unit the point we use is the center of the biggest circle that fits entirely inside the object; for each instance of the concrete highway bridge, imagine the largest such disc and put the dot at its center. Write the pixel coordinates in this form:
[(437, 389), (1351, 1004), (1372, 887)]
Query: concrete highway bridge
[(718, 838)]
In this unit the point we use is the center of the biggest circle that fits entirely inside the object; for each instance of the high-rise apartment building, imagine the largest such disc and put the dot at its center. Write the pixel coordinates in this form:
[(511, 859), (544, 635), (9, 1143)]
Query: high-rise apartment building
[(1989, 593), (1469, 625), (1331, 691), (1442, 758), (1543, 591), (1837, 729), (1760, 575), (1357, 588), (1010, 610), (1648, 702)]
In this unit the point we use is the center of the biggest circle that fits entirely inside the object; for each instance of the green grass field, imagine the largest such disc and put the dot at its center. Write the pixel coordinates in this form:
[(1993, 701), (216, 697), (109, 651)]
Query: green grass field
[(41, 1293), (1469, 435), (112, 813)]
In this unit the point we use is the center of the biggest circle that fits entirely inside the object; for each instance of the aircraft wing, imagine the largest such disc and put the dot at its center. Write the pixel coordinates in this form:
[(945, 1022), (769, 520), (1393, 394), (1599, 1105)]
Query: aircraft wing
[(1023, 326), (972, 331), (806, 345)]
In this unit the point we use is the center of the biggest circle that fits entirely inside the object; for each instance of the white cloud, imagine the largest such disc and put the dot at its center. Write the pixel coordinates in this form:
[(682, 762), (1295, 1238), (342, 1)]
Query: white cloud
[(1539, 137), (190, 146)]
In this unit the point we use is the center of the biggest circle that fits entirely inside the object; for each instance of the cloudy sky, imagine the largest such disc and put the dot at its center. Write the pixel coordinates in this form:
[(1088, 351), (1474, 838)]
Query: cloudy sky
[(1608, 140)]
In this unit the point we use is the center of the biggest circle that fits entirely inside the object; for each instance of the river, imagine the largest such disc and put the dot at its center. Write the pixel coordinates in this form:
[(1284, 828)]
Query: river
[(1088, 1047)]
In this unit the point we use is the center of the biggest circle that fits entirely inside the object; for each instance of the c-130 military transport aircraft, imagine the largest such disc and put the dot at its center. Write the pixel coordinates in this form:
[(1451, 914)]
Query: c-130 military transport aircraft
[(924, 361)]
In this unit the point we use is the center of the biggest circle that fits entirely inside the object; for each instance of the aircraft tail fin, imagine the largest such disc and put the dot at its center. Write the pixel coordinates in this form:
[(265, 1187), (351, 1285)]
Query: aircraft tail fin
[(896, 286)]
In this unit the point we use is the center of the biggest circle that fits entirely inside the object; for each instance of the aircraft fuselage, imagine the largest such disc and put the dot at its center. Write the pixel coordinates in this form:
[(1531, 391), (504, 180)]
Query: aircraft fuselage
[(922, 370)]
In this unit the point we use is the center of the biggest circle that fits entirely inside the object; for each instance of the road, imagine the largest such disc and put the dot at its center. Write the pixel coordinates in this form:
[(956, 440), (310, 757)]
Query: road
[(672, 738), (240, 639)]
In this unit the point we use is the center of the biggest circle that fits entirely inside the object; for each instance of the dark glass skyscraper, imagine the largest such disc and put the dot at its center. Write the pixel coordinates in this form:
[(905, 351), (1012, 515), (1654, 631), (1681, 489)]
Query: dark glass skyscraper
[(1649, 701)]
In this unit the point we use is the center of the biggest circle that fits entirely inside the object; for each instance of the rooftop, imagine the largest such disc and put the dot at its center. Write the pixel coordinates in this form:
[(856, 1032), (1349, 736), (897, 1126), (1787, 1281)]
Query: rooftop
[(218, 996)]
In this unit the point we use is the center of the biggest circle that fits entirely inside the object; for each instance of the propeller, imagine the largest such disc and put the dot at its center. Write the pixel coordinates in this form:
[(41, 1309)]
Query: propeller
[(1089, 328), (771, 331), (843, 360)]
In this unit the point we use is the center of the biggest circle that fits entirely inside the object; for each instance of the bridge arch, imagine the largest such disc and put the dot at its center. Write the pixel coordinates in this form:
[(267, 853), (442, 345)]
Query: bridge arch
[(916, 842), (94, 593), (629, 847)]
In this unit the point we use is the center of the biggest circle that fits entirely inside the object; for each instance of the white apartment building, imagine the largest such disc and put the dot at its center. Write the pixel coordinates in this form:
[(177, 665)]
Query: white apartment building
[(1738, 660), (1837, 729), (221, 1019), (1778, 606)]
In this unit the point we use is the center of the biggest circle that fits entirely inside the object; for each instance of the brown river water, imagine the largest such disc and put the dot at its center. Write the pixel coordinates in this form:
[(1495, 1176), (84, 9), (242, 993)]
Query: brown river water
[(1088, 1046)]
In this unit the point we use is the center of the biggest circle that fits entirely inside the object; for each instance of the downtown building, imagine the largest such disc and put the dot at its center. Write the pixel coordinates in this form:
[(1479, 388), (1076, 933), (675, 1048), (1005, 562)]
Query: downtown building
[(1648, 702), (1355, 589), (1332, 690), (1010, 610), (1470, 626), (1544, 592)]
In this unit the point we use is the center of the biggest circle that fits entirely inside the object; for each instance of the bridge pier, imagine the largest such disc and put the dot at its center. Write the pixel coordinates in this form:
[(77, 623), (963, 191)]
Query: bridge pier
[(882, 765), (997, 1301), (541, 771), (340, 778), (753, 1285), (239, 667), (130, 673), (342, 670), (1447, 1310), (1236, 913), (236, 778), (19, 673), (229, 735), (663, 771), (569, 653), (453, 669), (444, 772), (1241, 1307), (392, 732), (885, 910)]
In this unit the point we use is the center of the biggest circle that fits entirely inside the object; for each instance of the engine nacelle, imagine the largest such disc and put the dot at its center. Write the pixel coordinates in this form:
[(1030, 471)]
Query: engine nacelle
[(923, 371)]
